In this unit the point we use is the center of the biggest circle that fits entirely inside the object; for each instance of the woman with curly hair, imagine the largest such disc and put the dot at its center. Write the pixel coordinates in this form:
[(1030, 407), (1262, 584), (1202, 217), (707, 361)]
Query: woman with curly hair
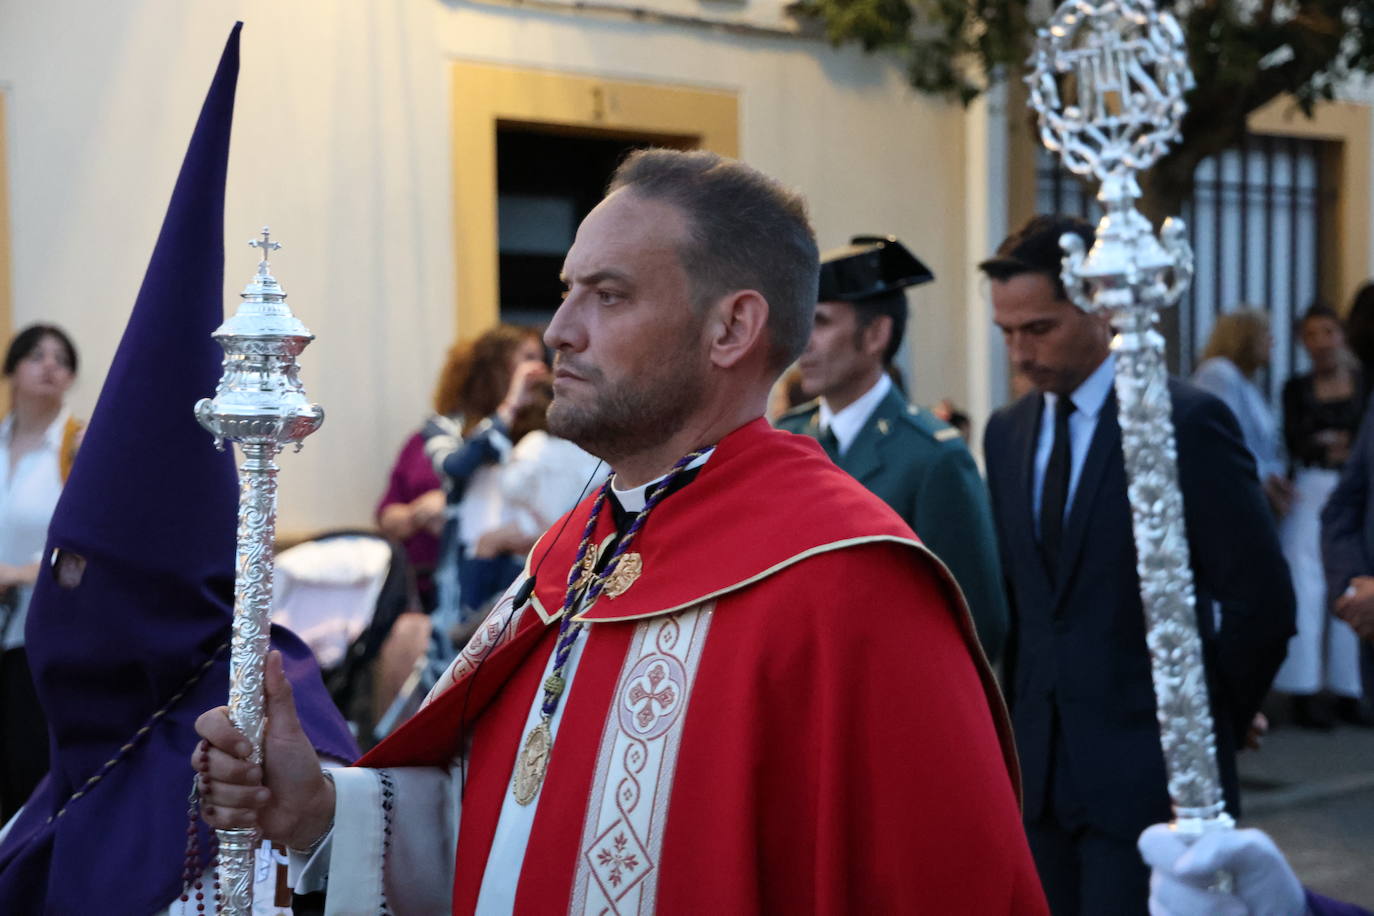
[(494, 390), (428, 485), (504, 480)]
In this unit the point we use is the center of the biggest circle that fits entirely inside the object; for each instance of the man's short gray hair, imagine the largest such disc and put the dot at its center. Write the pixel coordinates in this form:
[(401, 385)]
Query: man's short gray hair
[(747, 231)]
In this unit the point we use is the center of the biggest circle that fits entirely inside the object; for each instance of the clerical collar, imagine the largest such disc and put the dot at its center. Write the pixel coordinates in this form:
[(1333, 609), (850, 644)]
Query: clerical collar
[(847, 423), (632, 499), (625, 504)]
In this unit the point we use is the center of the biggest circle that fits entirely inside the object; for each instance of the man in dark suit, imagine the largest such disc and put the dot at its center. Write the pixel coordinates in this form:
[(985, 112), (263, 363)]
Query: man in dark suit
[(1348, 554), (904, 454), (1078, 669)]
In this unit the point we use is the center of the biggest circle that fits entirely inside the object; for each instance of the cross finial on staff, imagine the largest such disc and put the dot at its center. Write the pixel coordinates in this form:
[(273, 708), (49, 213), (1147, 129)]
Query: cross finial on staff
[(267, 245)]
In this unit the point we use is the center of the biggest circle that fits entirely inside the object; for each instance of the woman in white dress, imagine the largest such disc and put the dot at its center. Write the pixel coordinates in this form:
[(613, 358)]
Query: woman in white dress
[(38, 439)]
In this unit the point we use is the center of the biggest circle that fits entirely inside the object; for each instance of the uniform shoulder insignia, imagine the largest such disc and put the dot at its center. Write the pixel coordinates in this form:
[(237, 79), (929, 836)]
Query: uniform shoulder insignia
[(929, 425)]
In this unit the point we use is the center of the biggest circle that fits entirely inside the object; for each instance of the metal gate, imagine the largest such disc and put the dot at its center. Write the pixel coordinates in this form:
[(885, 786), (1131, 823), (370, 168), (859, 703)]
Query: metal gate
[(1256, 222)]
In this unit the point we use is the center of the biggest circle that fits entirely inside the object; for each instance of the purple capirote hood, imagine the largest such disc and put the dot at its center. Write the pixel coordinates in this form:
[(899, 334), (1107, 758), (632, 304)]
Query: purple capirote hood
[(151, 507)]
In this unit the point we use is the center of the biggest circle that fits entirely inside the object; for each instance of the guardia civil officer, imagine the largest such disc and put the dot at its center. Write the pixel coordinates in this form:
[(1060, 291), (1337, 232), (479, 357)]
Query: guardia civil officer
[(904, 454)]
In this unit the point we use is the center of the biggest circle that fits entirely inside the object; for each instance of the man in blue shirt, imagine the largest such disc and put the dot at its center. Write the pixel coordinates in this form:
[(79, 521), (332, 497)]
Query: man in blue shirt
[(1078, 673)]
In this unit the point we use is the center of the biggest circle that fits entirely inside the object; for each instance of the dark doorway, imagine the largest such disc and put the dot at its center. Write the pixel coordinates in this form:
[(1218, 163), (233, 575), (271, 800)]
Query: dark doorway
[(547, 180)]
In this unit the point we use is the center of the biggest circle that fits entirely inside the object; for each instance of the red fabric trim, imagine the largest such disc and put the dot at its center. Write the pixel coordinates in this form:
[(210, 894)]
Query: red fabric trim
[(691, 550), (840, 753)]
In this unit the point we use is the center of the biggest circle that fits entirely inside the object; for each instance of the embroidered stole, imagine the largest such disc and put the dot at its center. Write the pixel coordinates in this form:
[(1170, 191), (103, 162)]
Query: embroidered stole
[(622, 836)]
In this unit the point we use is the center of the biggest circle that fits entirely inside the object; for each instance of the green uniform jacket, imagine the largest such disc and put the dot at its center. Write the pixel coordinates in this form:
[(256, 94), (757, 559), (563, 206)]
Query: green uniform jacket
[(920, 467)]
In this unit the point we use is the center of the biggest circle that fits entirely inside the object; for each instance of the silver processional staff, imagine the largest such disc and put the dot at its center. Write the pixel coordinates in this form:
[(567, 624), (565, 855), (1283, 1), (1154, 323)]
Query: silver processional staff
[(260, 404), (1108, 82)]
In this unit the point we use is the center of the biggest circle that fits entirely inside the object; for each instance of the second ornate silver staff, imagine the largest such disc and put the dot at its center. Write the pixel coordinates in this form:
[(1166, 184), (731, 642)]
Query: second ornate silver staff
[(1123, 69), (260, 404)]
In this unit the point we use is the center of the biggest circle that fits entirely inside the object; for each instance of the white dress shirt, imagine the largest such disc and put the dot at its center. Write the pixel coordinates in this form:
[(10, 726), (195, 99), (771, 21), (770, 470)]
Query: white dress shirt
[(545, 477), (1088, 399), (846, 424)]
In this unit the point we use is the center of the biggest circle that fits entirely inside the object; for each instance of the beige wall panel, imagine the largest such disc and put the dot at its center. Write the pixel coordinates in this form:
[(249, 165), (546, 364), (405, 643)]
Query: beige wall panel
[(344, 143)]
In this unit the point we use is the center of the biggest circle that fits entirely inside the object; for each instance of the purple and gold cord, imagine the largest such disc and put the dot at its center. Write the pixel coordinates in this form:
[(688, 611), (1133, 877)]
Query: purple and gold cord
[(567, 630)]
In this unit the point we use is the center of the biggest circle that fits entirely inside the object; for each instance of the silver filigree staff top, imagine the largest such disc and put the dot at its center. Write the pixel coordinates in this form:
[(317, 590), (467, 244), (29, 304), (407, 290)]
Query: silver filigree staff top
[(1108, 82), (261, 405)]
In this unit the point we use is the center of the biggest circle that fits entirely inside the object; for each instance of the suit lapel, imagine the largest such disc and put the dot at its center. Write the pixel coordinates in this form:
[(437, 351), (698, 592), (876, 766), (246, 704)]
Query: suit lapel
[(864, 459), (1104, 446)]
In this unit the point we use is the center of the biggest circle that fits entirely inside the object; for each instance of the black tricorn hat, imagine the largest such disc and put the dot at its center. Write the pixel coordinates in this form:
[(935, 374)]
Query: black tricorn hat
[(869, 271)]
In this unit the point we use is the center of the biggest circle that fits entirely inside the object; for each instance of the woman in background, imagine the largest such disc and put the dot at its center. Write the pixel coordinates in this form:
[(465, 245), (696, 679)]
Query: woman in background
[(38, 441), (507, 481), (544, 478), (496, 380), (412, 508), (1237, 350), (1321, 415)]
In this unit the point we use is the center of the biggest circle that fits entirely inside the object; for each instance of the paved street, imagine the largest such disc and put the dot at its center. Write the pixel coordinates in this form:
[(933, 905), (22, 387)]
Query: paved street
[(1313, 792)]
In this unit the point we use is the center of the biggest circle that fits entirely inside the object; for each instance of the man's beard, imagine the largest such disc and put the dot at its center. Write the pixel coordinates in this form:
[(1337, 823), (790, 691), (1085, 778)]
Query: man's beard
[(629, 416)]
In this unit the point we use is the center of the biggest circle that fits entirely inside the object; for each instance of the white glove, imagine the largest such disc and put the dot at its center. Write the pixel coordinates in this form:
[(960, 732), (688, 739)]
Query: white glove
[(1262, 882)]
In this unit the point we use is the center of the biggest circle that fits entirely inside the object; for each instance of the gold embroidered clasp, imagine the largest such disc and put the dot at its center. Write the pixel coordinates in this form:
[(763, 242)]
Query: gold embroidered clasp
[(627, 570)]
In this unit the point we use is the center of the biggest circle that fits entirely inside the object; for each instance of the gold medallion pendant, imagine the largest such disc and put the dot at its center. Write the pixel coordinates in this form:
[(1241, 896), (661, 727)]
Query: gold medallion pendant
[(531, 764), (626, 571)]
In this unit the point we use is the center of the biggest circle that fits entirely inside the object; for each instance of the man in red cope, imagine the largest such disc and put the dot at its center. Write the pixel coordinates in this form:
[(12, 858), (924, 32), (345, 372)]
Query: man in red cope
[(730, 681)]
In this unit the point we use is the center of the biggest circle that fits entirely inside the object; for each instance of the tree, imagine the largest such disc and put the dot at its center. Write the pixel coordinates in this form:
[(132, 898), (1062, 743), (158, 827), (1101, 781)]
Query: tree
[(1244, 54)]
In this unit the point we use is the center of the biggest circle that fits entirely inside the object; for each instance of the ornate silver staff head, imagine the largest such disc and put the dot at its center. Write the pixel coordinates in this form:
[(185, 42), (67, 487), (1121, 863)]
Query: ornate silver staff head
[(1124, 67), (260, 399), (1108, 82)]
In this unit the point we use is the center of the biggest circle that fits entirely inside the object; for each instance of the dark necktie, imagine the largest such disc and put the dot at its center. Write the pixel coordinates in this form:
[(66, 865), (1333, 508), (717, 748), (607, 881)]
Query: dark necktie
[(1054, 494), (830, 443)]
